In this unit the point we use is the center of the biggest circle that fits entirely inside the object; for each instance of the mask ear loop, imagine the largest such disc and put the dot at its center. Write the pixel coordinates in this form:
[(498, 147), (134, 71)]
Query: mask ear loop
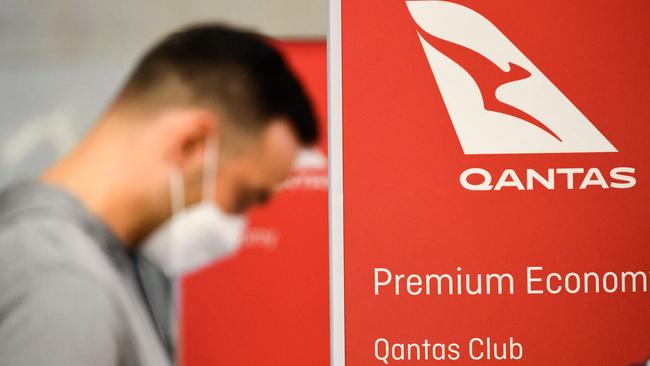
[(210, 160), (177, 194), (210, 163), (176, 190), (177, 197)]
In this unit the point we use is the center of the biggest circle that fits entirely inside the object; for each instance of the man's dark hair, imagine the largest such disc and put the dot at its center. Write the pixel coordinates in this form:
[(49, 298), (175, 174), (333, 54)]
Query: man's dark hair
[(237, 72)]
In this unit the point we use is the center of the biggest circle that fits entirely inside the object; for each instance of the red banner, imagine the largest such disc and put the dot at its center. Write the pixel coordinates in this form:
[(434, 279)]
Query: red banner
[(495, 182), (269, 304)]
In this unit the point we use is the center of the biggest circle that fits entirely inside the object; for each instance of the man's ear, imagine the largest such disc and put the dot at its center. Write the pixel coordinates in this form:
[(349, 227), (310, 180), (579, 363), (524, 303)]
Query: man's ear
[(187, 133)]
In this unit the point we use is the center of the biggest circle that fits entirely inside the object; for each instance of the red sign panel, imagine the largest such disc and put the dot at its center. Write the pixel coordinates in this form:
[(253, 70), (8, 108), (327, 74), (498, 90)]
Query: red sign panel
[(268, 305), (495, 182)]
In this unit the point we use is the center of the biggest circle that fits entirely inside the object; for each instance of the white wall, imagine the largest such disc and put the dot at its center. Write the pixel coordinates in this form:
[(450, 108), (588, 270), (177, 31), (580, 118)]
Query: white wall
[(61, 60)]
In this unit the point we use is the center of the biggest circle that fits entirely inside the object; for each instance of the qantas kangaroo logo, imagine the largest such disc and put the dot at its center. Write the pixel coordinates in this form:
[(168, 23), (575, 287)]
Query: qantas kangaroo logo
[(498, 101)]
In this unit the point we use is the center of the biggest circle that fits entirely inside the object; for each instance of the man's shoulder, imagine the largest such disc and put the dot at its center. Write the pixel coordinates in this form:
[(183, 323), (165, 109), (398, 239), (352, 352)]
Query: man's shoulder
[(42, 250), (40, 241), (47, 281), (59, 315), (44, 227)]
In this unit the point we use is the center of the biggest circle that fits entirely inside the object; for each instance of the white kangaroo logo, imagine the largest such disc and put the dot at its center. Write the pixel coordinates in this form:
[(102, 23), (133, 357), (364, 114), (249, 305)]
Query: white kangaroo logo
[(498, 101)]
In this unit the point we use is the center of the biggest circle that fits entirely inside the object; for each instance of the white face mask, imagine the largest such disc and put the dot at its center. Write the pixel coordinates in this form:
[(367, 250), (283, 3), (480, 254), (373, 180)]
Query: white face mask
[(197, 235)]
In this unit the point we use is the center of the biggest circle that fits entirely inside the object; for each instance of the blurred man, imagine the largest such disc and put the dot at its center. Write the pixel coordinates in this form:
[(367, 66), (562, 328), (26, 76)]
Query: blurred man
[(208, 124)]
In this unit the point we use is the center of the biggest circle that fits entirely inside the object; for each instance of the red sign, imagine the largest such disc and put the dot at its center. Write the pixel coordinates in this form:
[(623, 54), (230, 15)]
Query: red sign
[(495, 182), (269, 304)]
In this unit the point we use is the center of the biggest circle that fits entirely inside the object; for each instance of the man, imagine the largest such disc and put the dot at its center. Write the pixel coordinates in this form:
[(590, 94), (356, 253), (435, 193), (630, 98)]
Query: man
[(211, 118)]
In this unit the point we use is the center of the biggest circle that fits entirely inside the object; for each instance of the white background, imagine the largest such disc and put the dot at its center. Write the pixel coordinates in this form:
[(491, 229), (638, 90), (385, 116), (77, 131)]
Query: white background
[(62, 60)]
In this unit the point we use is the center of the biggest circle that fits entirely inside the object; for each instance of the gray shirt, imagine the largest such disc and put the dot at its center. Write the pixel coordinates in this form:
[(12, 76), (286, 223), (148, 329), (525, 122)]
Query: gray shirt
[(69, 294)]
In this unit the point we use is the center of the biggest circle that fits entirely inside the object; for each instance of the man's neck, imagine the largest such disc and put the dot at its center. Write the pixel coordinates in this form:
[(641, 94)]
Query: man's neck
[(96, 172)]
